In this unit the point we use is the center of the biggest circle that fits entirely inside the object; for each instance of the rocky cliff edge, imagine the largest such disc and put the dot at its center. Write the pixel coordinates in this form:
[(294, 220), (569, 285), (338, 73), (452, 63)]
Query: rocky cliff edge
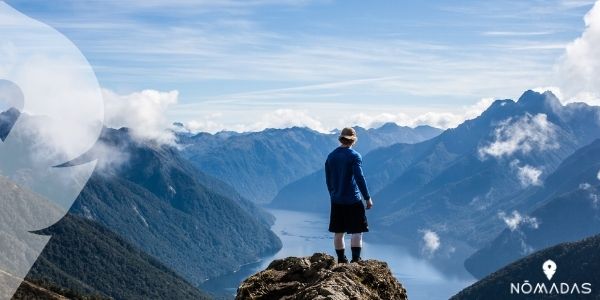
[(320, 277)]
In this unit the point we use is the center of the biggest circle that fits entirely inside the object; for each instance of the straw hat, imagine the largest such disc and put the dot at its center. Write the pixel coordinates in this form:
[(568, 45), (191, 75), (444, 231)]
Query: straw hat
[(348, 133)]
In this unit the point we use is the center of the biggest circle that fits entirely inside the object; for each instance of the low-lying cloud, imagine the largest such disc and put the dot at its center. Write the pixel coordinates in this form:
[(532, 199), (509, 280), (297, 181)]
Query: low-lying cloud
[(522, 135), (280, 118), (516, 220), (592, 193), (284, 118), (436, 119), (143, 112), (527, 175), (431, 242)]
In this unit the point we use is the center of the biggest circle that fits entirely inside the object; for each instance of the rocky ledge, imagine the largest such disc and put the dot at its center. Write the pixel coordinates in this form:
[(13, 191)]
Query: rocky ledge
[(320, 277)]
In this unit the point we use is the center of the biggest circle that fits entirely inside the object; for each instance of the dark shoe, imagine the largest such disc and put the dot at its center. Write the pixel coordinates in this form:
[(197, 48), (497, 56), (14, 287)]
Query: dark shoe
[(342, 260), (356, 254)]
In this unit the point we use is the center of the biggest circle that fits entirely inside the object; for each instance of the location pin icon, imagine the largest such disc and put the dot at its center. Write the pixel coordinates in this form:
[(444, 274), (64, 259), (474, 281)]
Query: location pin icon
[(549, 268)]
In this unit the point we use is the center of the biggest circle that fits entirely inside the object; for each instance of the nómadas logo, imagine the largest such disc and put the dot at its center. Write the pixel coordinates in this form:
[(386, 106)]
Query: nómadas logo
[(550, 288)]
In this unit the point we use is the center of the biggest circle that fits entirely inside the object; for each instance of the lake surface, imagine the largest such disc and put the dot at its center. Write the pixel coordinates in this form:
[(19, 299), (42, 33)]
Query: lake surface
[(303, 234)]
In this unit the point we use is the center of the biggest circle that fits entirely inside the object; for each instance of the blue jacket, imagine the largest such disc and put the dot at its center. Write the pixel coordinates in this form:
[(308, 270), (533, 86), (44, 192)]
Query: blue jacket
[(344, 176)]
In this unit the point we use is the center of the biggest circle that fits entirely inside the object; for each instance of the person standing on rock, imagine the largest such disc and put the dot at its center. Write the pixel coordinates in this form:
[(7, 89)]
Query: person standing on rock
[(346, 183)]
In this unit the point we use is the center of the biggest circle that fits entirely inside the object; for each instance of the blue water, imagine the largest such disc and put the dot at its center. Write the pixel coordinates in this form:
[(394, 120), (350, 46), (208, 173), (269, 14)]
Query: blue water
[(303, 234)]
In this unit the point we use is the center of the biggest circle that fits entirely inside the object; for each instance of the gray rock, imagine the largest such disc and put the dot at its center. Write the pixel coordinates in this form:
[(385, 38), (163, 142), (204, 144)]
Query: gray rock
[(320, 277)]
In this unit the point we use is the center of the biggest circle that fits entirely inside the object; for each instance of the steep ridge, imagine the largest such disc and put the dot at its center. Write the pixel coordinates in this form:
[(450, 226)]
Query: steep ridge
[(84, 260), (577, 263), (30, 290), (567, 209), (194, 224)]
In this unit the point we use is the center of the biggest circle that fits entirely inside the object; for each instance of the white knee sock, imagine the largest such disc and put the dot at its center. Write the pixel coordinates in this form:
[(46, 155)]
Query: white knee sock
[(338, 241), (356, 240)]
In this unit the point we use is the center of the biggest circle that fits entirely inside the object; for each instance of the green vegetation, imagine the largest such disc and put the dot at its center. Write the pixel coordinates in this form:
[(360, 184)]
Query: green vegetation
[(86, 261)]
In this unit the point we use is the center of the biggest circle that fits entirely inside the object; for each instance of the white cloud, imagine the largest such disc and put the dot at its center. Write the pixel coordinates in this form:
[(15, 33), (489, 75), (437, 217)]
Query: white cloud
[(279, 118), (554, 89), (522, 135), (517, 33), (525, 248), (435, 119), (527, 175), (284, 118), (515, 220), (595, 199), (143, 112), (109, 157), (598, 176), (482, 202), (320, 116), (591, 193), (55, 88), (203, 126), (431, 242), (236, 47), (579, 68)]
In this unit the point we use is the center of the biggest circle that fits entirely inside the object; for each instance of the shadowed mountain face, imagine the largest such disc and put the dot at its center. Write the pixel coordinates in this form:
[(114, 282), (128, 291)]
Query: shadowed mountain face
[(577, 262), (83, 258), (457, 183), (567, 209), (259, 164), (194, 224)]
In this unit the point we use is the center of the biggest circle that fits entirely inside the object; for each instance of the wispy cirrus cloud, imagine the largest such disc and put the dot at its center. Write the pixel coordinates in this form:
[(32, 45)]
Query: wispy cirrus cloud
[(516, 33), (226, 57)]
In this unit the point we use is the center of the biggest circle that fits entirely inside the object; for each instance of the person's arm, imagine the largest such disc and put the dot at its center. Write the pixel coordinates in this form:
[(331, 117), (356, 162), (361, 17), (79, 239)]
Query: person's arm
[(328, 177), (359, 177)]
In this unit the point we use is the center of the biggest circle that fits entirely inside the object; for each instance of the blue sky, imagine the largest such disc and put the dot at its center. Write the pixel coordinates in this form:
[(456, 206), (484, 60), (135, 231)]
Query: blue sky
[(245, 65)]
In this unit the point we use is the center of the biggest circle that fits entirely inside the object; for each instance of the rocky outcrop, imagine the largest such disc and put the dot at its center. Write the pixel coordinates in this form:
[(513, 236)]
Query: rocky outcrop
[(320, 277)]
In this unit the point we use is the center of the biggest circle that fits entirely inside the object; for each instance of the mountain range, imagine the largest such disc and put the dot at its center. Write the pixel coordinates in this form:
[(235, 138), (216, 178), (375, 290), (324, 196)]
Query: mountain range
[(159, 215), (457, 185), (521, 177), (259, 164), (567, 208)]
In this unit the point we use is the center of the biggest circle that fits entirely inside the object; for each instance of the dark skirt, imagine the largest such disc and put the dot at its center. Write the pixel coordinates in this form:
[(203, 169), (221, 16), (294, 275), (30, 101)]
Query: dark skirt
[(349, 218)]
